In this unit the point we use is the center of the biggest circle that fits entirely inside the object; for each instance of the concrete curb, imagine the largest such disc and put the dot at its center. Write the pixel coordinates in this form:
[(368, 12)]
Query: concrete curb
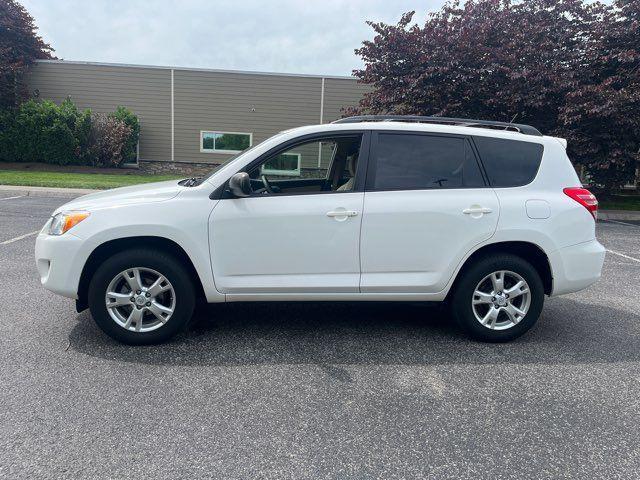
[(621, 215), (45, 191)]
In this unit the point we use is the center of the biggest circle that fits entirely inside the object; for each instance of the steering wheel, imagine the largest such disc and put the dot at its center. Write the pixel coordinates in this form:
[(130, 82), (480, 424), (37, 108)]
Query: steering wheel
[(267, 185)]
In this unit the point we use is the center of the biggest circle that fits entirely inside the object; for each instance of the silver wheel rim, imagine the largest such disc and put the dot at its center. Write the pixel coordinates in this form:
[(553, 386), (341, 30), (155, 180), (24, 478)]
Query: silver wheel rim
[(501, 300), (140, 299)]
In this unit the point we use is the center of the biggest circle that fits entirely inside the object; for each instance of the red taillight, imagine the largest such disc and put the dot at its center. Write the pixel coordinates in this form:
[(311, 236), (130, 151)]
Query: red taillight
[(584, 197)]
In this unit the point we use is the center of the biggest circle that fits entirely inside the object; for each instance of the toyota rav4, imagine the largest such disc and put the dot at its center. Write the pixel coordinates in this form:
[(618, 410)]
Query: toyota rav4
[(489, 217)]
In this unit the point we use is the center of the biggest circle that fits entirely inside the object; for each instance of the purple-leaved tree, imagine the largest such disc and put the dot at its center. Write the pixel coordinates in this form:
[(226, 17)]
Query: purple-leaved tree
[(568, 67), (20, 46)]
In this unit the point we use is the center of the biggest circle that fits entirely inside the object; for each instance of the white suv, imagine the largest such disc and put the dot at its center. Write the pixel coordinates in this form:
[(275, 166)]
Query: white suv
[(487, 216)]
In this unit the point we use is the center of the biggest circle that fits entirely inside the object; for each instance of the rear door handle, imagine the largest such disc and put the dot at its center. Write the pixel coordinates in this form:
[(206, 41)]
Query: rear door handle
[(342, 213), (476, 210)]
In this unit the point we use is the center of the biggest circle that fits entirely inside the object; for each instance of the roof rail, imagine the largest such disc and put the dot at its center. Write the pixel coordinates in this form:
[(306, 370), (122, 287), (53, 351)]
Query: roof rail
[(462, 122)]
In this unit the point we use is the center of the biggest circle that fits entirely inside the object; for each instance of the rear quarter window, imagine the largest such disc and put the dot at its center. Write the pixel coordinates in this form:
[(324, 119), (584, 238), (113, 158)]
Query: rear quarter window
[(509, 163)]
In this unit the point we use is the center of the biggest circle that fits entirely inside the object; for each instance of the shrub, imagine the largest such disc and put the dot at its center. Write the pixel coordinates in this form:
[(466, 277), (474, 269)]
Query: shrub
[(108, 139), (131, 120), (42, 131), (83, 130), (6, 131)]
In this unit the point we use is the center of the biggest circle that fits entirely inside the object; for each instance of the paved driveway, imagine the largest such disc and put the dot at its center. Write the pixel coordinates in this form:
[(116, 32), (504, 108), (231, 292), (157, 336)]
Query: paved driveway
[(314, 390)]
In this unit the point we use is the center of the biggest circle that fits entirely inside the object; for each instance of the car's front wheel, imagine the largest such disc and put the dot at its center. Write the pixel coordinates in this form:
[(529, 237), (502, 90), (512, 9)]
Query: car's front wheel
[(498, 298), (141, 296)]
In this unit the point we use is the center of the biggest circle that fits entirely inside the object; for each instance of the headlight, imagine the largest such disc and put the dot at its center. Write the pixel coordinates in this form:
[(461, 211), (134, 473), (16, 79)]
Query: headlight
[(64, 221)]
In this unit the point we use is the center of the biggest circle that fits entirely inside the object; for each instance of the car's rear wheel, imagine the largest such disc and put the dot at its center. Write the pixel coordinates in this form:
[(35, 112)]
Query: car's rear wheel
[(498, 298), (141, 297)]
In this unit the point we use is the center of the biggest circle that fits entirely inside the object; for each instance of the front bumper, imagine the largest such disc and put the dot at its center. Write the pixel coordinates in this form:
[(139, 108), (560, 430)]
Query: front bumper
[(59, 263), (576, 267)]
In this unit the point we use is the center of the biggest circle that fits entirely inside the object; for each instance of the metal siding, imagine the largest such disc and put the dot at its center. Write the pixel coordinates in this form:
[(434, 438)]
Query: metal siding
[(146, 91), (339, 94), (259, 104)]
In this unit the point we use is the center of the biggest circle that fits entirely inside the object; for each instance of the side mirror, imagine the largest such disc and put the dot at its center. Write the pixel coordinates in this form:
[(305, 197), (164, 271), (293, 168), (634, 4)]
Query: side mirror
[(240, 185)]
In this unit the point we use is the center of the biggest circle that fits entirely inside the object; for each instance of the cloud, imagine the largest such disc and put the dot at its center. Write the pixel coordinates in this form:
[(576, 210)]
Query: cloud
[(314, 36)]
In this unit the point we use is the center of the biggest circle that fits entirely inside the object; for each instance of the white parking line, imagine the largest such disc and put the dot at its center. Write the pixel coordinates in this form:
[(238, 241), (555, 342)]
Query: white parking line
[(11, 198), (11, 240), (624, 256)]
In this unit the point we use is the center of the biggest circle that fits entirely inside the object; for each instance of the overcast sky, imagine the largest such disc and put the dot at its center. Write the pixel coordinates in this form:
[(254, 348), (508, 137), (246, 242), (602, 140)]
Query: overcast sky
[(296, 36)]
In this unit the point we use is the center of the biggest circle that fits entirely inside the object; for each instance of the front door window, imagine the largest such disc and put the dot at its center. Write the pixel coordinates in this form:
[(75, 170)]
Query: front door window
[(326, 165)]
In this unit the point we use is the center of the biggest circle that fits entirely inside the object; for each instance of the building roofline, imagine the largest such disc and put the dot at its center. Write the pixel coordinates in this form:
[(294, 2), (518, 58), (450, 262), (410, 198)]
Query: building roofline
[(193, 69)]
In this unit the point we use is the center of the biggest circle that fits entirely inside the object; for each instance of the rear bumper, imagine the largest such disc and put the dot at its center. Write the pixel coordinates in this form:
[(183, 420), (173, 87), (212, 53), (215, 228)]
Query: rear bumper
[(59, 263), (576, 267)]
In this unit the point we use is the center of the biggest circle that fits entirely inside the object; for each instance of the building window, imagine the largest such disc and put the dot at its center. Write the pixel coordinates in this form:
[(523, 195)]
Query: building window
[(224, 142), (287, 164)]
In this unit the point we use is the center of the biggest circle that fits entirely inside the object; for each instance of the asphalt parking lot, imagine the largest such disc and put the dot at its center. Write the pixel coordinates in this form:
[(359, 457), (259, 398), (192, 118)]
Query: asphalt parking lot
[(318, 390)]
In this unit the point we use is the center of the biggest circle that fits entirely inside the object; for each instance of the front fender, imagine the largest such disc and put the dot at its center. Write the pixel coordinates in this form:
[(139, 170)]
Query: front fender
[(184, 223)]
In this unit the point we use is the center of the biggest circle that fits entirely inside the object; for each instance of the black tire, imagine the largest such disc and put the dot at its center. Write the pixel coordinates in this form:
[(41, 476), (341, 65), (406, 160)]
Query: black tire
[(461, 300), (161, 262)]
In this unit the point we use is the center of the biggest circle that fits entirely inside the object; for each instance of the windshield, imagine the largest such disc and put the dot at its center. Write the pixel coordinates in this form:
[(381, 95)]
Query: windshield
[(218, 167)]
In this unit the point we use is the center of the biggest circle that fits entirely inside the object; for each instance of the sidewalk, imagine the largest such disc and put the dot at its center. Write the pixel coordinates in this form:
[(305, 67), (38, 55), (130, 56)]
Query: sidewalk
[(45, 191), (621, 215)]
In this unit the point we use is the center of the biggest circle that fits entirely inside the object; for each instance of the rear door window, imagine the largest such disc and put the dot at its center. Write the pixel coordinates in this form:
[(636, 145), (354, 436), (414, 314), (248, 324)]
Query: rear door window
[(509, 163), (415, 161)]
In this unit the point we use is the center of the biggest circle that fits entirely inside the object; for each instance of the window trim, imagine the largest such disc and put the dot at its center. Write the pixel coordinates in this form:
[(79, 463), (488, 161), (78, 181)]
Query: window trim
[(226, 152), (284, 173), (373, 156)]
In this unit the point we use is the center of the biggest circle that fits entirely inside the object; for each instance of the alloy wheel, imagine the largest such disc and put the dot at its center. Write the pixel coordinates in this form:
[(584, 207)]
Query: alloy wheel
[(501, 300), (140, 299)]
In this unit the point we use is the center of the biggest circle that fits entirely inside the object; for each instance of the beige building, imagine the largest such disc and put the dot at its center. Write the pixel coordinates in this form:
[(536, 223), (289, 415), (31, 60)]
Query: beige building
[(193, 118)]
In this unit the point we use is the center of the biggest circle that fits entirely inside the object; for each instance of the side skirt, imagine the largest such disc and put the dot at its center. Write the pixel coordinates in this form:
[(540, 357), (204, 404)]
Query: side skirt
[(336, 297)]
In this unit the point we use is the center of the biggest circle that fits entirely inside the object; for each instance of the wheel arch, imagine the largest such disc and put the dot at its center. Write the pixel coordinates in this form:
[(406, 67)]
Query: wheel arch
[(528, 251), (110, 247)]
